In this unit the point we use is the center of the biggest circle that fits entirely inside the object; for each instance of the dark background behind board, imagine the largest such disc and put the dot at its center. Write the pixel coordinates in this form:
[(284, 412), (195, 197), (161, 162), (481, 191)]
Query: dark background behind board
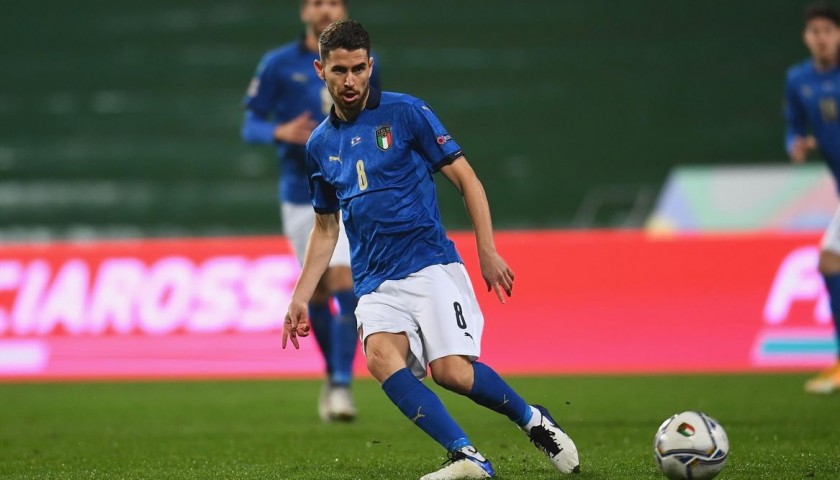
[(123, 118)]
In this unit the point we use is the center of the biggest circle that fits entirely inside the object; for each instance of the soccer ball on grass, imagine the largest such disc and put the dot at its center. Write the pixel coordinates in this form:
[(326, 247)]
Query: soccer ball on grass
[(691, 446)]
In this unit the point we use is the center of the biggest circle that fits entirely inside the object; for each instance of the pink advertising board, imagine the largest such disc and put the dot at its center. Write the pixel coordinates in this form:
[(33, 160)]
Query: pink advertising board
[(595, 302)]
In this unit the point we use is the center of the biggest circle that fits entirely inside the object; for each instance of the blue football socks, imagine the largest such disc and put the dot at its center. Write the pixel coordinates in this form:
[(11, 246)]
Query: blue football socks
[(489, 390), (425, 409), (321, 320), (832, 284), (344, 338)]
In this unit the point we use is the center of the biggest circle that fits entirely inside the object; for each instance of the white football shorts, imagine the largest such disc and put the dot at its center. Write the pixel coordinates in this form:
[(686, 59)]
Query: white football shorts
[(298, 219), (435, 307), (831, 237)]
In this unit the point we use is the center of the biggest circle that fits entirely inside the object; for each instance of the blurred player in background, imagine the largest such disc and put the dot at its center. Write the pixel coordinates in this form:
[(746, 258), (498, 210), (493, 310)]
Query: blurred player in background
[(372, 162), (812, 95), (285, 101)]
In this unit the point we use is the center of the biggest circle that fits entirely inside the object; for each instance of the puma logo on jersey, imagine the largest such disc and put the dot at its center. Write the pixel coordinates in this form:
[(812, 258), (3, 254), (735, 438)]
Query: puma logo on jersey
[(299, 77), (333, 158)]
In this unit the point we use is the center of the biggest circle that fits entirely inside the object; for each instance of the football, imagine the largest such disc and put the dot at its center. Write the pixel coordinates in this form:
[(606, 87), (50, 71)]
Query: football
[(691, 445)]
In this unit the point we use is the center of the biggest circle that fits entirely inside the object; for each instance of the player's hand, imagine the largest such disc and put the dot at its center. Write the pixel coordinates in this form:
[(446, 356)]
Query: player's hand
[(800, 148), (497, 275), (297, 130), (296, 323)]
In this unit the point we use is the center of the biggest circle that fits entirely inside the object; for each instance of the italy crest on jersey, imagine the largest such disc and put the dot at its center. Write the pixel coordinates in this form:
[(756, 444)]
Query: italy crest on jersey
[(383, 137)]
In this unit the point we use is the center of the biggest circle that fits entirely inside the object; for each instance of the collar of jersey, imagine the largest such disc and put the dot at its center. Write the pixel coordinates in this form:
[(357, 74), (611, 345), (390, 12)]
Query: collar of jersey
[(373, 101)]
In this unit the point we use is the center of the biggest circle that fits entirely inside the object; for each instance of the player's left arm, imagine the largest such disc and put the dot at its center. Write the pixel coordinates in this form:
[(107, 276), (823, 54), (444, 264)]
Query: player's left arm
[(497, 274)]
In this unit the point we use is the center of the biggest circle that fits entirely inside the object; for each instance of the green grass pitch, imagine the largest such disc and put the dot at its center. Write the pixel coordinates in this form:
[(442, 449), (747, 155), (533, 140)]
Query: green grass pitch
[(270, 430)]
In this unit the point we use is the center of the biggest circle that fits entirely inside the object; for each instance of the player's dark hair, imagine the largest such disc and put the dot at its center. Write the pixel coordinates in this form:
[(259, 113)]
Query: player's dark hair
[(347, 34), (822, 10)]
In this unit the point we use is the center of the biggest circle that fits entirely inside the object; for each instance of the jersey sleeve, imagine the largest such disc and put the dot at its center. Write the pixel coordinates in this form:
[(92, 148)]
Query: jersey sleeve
[(796, 120), (324, 199), (257, 129), (263, 90), (430, 137)]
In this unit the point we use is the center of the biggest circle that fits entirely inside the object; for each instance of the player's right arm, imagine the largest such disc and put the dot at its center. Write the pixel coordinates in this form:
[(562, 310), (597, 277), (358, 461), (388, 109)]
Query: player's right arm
[(797, 141), (319, 250), (260, 101), (258, 129)]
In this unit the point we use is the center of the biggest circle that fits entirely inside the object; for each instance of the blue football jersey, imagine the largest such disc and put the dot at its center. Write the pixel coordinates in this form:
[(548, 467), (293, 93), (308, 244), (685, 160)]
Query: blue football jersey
[(285, 86), (378, 171), (811, 100)]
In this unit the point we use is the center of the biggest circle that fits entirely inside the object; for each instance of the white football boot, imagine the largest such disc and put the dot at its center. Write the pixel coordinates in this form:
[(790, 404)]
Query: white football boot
[(550, 439), (341, 404), (465, 463), (324, 402)]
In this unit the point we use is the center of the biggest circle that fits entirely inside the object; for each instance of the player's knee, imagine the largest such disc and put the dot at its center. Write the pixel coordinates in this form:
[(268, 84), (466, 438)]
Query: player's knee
[(829, 264), (374, 368), (454, 377), (380, 365)]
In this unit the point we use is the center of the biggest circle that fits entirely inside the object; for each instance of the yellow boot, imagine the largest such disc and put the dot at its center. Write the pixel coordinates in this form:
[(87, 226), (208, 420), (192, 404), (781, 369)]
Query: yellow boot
[(826, 382)]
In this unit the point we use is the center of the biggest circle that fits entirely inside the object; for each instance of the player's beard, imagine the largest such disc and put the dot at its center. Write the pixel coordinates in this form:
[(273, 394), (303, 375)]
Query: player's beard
[(355, 104), (827, 57)]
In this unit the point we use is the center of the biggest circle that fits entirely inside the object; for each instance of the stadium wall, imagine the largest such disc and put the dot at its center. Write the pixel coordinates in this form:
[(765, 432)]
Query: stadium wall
[(594, 302), (558, 105)]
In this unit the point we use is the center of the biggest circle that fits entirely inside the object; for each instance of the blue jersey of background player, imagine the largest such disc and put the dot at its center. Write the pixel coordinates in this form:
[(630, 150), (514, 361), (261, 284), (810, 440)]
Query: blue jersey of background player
[(812, 96), (371, 162), (285, 100)]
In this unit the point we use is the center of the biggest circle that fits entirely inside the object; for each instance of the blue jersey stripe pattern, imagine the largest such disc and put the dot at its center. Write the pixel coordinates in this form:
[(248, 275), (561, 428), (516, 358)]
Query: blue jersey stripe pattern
[(378, 171)]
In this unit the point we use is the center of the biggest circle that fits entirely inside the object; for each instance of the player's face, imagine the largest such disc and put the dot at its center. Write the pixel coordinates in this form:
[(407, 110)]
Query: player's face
[(822, 37), (318, 14), (347, 74)]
